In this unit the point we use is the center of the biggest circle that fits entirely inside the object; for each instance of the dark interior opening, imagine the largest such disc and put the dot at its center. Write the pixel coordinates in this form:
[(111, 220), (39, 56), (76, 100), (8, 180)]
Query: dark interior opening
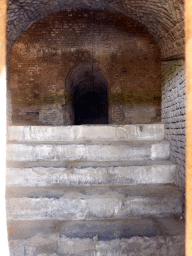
[(90, 102)]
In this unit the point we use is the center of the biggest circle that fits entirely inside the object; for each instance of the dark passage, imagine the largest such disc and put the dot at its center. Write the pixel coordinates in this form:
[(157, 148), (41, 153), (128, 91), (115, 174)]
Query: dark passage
[(90, 103)]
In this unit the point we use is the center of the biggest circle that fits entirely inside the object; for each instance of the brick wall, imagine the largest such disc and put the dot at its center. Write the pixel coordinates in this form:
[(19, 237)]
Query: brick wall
[(173, 114), (125, 52), (173, 42)]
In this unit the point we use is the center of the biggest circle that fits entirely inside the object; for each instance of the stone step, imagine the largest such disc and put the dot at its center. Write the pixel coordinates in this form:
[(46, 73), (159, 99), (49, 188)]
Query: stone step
[(89, 151), (86, 132), (133, 236), (107, 229), (41, 174), (93, 202)]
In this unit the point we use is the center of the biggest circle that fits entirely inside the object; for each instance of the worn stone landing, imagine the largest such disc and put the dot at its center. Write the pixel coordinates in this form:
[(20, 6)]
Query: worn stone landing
[(93, 202), (136, 236)]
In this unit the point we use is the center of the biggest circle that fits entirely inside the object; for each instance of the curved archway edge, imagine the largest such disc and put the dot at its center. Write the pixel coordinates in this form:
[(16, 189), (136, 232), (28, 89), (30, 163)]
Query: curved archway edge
[(163, 20)]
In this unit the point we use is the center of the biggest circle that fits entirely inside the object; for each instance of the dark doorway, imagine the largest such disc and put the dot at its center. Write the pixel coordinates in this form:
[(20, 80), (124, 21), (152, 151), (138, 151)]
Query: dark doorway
[(90, 102)]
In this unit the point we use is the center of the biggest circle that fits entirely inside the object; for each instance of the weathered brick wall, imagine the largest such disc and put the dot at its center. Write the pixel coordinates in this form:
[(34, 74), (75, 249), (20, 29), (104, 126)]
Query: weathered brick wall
[(126, 53), (173, 114), (164, 19), (173, 42)]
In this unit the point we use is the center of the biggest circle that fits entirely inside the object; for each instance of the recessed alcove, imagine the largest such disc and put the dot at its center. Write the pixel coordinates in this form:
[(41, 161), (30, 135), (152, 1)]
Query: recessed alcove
[(87, 94), (91, 106)]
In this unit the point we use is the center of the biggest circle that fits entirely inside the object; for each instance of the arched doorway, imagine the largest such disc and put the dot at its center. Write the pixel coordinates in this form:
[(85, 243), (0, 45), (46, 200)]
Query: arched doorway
[(90, 103), (87, 93)]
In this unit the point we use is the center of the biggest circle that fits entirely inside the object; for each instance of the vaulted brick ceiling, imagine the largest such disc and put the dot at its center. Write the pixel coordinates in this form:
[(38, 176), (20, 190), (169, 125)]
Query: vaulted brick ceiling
[(163, 18)]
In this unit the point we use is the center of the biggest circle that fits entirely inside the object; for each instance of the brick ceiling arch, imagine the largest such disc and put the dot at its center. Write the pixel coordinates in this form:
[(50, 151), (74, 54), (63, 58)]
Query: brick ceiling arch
[(164, 19)]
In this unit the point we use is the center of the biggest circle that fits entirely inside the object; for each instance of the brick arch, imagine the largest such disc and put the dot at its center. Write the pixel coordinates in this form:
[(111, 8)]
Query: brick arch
[(163, 19)]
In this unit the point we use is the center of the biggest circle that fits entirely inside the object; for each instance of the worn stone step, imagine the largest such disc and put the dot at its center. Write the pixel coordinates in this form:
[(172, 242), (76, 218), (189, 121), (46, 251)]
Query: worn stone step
[(86, 132), (90, 173), (156, 236), (89, 151), (93, 202), (107, 229)]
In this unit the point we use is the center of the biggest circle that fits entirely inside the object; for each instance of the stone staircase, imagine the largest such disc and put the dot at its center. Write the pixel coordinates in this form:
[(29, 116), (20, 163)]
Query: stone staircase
[(92, 190)]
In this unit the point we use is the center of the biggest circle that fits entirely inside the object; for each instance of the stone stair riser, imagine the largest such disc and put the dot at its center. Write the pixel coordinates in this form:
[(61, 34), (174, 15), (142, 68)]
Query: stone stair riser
[(55, 245), (41, 176), (113, 236), (83, 203), (107, 230), (28, 152), (79, 133), (93, 208)]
